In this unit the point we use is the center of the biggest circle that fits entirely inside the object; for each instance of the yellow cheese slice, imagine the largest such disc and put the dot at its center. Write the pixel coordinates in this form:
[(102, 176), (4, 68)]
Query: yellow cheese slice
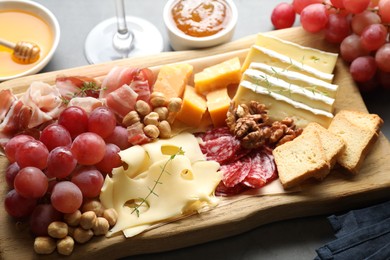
[(171, 186), (279, 106), (294, 92), (310, 83), (275, 59), (320, 60)]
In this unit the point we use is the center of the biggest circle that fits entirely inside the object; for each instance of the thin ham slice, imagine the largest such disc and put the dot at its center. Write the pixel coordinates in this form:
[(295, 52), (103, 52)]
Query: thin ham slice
[(72, 86), (136, 135), (141, 87), (122, 100), (86, 103), (44, 100)]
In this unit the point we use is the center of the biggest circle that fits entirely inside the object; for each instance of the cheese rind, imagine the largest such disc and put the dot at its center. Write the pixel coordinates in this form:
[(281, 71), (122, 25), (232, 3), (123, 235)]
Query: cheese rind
[(218, 102), (218, 76), (279, 106), (294, 92), (310, 83), (193, 107), (275, 59), (320, 60)]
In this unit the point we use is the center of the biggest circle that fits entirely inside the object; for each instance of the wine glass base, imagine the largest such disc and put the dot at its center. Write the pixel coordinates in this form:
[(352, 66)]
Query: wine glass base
[(99, 48)]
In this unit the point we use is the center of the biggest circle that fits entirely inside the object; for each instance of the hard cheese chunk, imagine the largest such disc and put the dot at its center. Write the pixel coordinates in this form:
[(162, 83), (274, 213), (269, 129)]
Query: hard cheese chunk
[(320, 60), (182, 184), (193, 108), (297, 93), (279, 106), (172, 79), (275, 59), (310, 83), (218, 102), (218, 76)]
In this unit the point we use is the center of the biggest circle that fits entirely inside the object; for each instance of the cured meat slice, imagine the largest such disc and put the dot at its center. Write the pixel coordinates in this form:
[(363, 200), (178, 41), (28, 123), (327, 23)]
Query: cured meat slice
[(86, 103), (222, 190), (71, 86), (6, 101), (214, 133), (221, 149), (122, 100), (136, 135), (141, 87), (235, 172), (262, 171)]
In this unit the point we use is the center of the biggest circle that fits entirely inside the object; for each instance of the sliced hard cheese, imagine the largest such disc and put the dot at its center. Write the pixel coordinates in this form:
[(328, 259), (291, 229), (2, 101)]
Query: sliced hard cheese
[(310, 83), (280, 107), (218, 76), (193, 108), (294, 92), (320, 60), (275, 59), (181, 185), (172, 79), (218, 102)]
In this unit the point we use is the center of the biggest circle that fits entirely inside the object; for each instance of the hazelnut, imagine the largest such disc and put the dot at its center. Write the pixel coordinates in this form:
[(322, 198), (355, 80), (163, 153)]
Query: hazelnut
[(44, 245), (158, 99), (93, 205), (174, 104), (111, 215), (87, 219), (151, 131), (57, 229), (165, 129), (101, 226), (151, 118), (131, 118), (142, 108), (73, 219), (162, 112), (65, 246), (81, 235)]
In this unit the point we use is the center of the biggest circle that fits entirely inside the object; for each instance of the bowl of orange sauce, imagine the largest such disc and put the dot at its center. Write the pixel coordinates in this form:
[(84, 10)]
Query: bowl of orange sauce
[(194, 24), (23, 20)]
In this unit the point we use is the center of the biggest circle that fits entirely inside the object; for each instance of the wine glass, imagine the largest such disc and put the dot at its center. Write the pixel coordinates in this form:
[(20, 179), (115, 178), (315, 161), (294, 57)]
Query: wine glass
[(122, 37)]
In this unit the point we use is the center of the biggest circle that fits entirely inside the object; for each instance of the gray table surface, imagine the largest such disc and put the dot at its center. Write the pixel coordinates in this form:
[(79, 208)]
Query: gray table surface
[(291, 239)]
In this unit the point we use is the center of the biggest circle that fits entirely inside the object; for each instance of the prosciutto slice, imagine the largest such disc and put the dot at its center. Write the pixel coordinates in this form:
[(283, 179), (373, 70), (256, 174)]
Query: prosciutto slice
[(86, 103), (72, 86), (45, 102), (6, 101), (122, 100)]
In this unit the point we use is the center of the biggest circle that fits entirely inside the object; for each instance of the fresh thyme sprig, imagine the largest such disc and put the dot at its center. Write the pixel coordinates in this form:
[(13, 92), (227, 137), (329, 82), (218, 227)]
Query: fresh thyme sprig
[(87, 86), (156, 182)]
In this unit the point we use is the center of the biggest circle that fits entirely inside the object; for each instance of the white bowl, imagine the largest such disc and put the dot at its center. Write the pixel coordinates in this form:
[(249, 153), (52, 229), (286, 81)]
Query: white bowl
[(181, 41), (44, 14)]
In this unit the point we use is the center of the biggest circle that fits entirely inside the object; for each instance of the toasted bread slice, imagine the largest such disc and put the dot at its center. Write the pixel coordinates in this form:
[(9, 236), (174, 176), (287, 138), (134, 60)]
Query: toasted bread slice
[(365, 120), (332, 144), (358, 139), (301, 159)]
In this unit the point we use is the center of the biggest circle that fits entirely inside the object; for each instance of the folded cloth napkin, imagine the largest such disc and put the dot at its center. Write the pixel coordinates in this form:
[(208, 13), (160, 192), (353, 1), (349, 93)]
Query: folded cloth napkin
[(360, 234)]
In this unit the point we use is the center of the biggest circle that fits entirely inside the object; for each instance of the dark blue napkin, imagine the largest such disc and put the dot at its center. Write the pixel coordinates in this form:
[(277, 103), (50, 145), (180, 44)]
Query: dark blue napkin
[(360, 234)]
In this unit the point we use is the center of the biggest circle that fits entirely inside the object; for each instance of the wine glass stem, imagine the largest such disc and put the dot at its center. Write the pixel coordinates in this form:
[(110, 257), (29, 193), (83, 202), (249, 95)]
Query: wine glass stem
[(121, 17)]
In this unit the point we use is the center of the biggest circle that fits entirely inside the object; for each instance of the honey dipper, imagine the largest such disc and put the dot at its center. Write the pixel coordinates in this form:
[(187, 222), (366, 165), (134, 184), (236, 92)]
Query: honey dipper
[(23, 52)]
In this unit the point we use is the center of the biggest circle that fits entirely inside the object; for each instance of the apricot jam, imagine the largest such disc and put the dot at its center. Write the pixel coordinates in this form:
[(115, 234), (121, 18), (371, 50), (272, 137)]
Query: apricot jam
[(201, 18)]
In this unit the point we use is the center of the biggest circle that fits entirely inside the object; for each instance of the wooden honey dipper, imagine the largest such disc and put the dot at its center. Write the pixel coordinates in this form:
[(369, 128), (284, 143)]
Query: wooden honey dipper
[(23, 52)]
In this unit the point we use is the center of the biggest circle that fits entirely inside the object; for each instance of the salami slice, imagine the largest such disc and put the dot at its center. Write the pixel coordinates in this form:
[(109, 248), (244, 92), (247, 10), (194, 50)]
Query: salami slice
[(263, 170), (221, 149), (235, 172), (214, 133), (222, 190)]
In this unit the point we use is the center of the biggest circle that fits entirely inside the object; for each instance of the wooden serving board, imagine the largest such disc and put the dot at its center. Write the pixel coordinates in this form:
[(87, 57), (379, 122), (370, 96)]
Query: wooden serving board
[(339, 191)]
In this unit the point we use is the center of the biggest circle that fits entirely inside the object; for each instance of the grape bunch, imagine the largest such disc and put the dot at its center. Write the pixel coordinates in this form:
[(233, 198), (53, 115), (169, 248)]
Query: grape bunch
[(360, 27), (53, 174)]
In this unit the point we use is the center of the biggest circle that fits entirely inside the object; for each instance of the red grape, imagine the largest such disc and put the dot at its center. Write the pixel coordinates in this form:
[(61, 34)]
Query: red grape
[(361, 21), (314, 18), (31, 182), (89, 180), (363, 68), (75, 120), (299, 5), (13, 145), (61, 162), (10, 174), (88, 148), (356, 6), (42, 216), (101, 121), (384, 10), (55, 135), (382, 57), (66, 197), (18, 206), (351, 48), (110, 160), (373, 36), (32, 153), (337, 3), (283, 16), (119, 137), (337, 28), (384, 79)]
